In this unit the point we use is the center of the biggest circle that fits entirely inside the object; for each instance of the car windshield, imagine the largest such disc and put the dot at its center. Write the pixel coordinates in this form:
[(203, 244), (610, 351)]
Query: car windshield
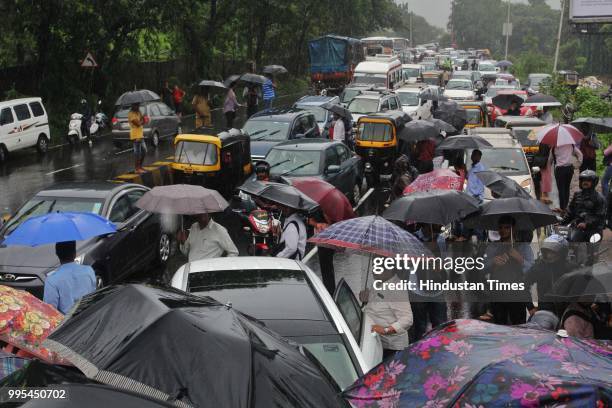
[(374, 132), (294, 162), (373, 79), (123, 111), (431, 80), (486, 67), (474, 116), (200, 153), (285, 302), (39, 206), (319, 113), (459, 84), (409, 98), (508, 161), (266, 129), (349, 94), (363, 105), (522, 135), (410, 72)]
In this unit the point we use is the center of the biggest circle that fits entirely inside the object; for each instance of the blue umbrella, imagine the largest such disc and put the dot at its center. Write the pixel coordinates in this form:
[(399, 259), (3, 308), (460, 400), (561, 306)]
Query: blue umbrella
[(59, 227)]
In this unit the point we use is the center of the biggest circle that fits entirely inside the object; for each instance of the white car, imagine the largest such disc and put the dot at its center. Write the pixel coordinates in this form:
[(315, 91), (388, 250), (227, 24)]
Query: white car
[(409, 98), (371, 102), (288, 298), (460, 89), (23, 123)]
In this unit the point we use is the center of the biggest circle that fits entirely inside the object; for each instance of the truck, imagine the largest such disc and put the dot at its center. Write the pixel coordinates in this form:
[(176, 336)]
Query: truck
[(332, 61)]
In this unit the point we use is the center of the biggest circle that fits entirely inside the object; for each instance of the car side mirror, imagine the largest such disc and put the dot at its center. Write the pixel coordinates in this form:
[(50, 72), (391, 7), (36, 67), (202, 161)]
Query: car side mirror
[(332, 169), (535, 170), (595, 238)]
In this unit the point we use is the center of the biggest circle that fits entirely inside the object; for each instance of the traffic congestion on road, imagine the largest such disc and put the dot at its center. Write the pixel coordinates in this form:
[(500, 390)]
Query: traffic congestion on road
[(417, 229)]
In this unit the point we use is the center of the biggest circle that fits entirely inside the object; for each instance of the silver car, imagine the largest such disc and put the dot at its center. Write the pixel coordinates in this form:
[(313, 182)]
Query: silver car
[(160, 122)]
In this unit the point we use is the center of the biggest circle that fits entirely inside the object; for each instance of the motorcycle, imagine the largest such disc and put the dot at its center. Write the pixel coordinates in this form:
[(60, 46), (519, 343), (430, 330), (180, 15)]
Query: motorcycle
[(262, 226), (98, 122), (584, 253)]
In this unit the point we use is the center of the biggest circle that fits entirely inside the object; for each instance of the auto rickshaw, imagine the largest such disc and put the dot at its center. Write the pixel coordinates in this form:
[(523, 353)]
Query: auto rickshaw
[(569, 78), (220, 162), (477, 114), (434, 78), (376, 141)]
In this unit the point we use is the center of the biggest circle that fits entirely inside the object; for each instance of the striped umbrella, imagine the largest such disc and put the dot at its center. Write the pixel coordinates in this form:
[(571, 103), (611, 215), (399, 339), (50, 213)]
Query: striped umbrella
[(559, 135)]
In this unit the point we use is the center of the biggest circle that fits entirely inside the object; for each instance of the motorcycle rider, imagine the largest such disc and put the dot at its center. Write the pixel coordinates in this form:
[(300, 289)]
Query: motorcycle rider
[(586, 210), (262, 170), (86, 120)]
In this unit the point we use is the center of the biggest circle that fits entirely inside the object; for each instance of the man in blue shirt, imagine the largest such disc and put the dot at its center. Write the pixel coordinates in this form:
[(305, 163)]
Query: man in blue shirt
[(70, 282), (475, 187), (269, 92)]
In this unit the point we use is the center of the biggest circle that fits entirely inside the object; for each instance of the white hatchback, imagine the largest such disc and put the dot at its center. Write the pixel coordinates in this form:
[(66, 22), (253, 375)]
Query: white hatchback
[(23, 123), (288, 298)]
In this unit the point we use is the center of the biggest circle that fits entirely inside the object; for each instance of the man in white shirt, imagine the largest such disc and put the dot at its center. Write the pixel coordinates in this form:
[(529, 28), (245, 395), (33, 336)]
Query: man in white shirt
[(206, 239), (390, 311), (338, 128), (293, 238)]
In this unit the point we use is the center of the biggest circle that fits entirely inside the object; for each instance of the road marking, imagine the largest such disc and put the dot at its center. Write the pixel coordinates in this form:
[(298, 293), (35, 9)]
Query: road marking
[(123, 151), (67, 168), (314, 250)]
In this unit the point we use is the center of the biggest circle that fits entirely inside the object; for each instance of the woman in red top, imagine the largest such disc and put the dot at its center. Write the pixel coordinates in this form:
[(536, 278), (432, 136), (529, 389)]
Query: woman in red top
[(178, 94)]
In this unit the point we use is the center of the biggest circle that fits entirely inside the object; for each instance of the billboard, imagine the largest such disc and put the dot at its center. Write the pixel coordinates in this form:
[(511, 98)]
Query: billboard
[(591, 11)]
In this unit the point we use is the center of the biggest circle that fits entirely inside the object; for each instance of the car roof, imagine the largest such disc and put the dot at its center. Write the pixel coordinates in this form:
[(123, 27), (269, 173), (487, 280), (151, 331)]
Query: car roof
[(97, 189), (311, 143), (460, 80), (369, 95), (279, 114), (243, 262), (315, 100)]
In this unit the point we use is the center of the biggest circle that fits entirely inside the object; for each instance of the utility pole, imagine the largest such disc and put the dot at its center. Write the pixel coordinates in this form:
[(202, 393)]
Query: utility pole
[(411, 44), (559, 37), (507, 31)]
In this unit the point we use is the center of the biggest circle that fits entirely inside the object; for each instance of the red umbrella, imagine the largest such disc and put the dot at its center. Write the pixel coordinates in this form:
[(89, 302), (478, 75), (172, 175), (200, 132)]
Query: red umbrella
[(559, 135), (334, 204), (439, 179)]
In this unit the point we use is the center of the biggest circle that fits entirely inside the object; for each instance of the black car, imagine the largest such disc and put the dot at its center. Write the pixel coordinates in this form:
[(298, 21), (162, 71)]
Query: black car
[(330, 160), (161, 122), (138, 242), (270, 127)]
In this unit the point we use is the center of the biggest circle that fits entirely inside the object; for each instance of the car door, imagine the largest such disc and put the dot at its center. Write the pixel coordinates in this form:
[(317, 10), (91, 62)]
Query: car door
[(170, 120), (157, 120), (333, 177), (347, 177), (384, 106), (9, 136), (393, 105), (359, 323), (307, 126), (25, 126), (145, 227)]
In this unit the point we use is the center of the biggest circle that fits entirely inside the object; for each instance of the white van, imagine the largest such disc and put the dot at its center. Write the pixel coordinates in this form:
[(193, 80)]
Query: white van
[(23, 123), (380, 71)]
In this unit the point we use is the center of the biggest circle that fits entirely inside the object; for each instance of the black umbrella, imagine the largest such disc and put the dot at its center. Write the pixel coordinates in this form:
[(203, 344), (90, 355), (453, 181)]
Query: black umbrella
[(188, 350), (253, 79), (504, 101), (585, 284), (464, 142), (418, 130), (212, 84), (282, 194), (433, 207), (443, 126), (603, 125), (230, 80), (529, 214), (541, 100), (451, 113), (140, 96), (504, 186), (338, 109), (504, 64), (274, 69), (431, 96)]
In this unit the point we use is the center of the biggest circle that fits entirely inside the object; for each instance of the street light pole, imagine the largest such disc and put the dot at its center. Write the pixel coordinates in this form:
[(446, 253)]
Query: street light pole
[(507, 30), (559, 37), (411, 29)]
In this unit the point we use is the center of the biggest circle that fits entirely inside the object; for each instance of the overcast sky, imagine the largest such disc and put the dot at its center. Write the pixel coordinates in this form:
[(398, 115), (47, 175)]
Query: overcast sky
[(437, 11)]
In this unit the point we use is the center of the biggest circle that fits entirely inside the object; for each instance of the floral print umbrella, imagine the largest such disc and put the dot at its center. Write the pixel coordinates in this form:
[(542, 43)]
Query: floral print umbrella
[(25, 321), (473, 364)]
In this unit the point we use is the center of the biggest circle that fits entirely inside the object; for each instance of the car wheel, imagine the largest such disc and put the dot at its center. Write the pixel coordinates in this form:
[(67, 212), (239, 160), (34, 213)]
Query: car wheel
[(356, 193), (163, 248), (3, 154), (155, 139), (42, 145)]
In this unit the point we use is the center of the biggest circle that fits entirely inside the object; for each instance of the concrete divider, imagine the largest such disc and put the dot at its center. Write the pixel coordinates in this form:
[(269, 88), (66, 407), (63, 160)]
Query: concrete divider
[(156, 174)]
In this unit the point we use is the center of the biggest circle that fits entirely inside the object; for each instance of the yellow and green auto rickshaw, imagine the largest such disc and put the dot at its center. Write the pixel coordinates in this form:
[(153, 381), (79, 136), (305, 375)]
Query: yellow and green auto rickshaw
[(376, 141), (221, 162)]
